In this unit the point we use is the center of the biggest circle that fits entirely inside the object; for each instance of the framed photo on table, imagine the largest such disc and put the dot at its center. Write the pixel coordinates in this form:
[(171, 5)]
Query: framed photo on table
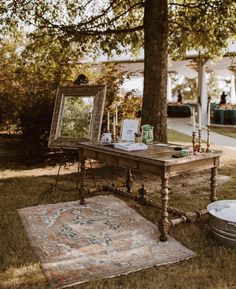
[(128, 129)]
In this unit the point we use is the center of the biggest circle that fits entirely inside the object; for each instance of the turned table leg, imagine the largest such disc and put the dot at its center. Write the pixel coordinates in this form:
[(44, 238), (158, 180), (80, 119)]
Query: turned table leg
[(213, 184), (164, 223), (83, 189), (129, 181)]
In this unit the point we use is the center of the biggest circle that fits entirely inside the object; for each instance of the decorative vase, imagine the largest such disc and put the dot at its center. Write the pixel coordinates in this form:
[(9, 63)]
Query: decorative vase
[(147, 133)]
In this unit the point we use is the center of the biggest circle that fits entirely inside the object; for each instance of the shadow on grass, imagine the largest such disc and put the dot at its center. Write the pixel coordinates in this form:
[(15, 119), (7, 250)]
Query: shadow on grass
[(19, 153)]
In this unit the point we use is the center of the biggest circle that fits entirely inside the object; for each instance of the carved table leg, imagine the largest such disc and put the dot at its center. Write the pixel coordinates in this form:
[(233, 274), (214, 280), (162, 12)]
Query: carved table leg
[(164, 223), (213, 184), (82, 181), (129, 181), (142, 192)]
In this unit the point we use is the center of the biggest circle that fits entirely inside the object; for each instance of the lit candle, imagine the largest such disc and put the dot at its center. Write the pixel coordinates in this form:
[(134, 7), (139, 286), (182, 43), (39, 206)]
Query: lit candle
[(193, 116), (116, 115), (114, 125), (108, 121), (209, 114), (199, 117)]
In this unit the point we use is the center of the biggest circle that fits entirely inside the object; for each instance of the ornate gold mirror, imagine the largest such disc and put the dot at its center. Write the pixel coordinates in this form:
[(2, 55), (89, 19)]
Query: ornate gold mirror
[(77, 115)]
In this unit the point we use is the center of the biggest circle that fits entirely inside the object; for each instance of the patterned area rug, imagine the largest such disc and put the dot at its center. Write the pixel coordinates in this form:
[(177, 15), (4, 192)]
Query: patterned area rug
[(104, 238)]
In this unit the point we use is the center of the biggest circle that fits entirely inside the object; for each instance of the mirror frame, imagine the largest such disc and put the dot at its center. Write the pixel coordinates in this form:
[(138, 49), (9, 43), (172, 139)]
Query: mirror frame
[(96, 91)]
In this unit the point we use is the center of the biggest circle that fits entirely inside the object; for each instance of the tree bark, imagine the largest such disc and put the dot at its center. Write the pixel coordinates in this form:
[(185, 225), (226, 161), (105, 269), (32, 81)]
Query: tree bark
[(155, 67)]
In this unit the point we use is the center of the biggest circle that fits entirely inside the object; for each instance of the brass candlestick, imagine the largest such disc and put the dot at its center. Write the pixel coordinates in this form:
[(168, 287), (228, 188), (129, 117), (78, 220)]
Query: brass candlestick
[(193, 141), (199, 140), (116, 133), (208, 139)]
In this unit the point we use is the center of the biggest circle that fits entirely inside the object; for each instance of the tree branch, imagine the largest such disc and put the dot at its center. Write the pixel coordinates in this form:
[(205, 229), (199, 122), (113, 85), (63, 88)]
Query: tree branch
[(104, 12), (100, 32), (184, 27), (117, 17), (189, 5)]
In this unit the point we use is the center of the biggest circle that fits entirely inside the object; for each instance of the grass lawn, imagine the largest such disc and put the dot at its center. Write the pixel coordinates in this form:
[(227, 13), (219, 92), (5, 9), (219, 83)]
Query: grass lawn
[(175, 136), (227, 131), (213, 267)]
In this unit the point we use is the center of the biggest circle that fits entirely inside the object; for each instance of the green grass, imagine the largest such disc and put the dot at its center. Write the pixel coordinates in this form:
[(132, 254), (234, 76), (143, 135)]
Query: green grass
[(231, 132), (212, 268), (175, 136)]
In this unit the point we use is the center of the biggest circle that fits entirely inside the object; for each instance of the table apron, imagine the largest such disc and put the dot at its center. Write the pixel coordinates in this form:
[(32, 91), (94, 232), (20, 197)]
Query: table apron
[(198, 165), (142, 165)]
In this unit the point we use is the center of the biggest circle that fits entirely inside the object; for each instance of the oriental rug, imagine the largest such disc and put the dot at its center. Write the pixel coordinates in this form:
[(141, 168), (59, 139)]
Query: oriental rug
[(103, 238)]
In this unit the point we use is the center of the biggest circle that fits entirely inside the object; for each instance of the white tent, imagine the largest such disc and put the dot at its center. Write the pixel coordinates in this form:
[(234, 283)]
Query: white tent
[(189, 67), (232, 92)]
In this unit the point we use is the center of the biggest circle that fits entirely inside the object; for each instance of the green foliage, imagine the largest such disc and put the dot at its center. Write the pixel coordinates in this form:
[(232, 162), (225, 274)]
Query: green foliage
[(76, 117), (106, 73), (30, 76), (90, 23), (114, 78), (8, 86), (117, 25), (130, 106), (29, 80), (205, 26), (35, 118)]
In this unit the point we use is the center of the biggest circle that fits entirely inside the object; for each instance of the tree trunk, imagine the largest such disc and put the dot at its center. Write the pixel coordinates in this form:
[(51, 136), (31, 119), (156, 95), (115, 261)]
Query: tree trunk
[(155, 67)]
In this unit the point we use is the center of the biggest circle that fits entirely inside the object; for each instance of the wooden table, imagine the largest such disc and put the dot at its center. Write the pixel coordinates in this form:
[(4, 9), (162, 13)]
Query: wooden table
[(157, 159)]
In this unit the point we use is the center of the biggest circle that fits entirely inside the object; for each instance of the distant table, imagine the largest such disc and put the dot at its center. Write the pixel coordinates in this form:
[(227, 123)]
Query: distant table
[(224, 116), (157, 159), (178, 110)]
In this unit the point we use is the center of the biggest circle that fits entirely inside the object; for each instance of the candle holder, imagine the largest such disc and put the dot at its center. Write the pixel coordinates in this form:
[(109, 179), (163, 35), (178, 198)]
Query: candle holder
[(115, 139), (193, 141), (199, 140), (108, 122), (116, 133), (208, 139)]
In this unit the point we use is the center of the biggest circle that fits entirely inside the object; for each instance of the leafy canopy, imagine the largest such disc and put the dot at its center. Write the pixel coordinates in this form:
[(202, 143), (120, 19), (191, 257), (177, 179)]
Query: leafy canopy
[(118, 24), (202, 25)]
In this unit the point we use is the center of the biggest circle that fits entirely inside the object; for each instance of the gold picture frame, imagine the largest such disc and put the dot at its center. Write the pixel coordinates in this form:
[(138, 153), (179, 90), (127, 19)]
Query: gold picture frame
[(77, 115)]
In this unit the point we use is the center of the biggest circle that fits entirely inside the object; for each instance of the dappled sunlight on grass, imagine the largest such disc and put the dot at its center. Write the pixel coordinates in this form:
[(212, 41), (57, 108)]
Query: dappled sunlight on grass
[(37, 172), (30, 275)]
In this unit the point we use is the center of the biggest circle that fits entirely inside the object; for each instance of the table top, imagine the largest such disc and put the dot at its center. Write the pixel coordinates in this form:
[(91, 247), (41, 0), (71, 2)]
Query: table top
[(159, 153)]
